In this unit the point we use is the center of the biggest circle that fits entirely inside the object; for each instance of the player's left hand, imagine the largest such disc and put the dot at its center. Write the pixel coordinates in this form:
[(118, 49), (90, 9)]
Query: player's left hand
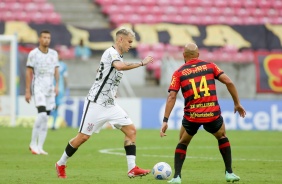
[(163, 129), (56, 90)]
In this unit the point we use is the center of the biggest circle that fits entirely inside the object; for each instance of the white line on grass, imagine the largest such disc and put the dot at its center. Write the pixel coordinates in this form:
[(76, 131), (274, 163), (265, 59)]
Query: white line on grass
[(116, 151)]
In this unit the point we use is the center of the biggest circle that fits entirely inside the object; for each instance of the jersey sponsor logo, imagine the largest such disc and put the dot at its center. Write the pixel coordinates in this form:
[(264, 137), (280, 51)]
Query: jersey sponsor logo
[(173, 81), (201, 115)]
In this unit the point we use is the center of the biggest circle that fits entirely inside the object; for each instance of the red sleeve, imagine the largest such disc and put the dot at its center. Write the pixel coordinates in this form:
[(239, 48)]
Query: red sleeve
[(216, 70), (175, 82)]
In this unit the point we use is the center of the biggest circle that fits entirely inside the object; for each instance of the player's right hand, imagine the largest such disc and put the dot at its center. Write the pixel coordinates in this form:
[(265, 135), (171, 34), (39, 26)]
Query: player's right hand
[(27, 97), (239, 108), (163, 129), (148, 59)]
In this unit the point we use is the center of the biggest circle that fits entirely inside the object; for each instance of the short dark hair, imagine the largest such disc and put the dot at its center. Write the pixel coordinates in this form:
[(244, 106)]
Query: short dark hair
[(44, 31)]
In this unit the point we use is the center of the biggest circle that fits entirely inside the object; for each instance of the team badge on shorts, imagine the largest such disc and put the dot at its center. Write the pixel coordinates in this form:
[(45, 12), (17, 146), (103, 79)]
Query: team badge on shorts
[(90, 127)]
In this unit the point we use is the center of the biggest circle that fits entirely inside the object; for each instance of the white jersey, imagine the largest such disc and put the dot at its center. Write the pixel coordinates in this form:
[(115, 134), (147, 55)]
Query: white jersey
[(104, 89), (43, 65)]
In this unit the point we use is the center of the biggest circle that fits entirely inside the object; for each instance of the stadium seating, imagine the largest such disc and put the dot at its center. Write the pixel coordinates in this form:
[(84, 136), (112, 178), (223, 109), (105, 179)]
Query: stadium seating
[(211, 11), (36, 11)]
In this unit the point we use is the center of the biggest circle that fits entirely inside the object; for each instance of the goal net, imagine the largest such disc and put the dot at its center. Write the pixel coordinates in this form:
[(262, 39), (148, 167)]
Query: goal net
[(8, 80)]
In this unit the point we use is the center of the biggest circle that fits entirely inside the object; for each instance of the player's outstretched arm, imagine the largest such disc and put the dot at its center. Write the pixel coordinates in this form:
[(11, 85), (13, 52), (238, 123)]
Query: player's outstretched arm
[(170, 102), (233, 92), (131, 65)]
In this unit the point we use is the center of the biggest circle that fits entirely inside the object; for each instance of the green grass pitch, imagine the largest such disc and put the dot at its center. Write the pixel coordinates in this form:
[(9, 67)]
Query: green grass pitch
[(257, 157)]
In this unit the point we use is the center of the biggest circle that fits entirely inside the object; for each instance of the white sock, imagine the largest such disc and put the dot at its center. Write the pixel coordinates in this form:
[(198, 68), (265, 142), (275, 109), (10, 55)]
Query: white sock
[(36, 129), (63, 159), (130, 161), (43, 129)]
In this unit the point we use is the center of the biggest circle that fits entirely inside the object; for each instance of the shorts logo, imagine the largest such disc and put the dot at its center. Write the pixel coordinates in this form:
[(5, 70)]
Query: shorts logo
[(90, 127)]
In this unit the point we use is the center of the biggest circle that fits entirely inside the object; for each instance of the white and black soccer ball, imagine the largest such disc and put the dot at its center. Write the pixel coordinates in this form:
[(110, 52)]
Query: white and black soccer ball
[(161, 171)]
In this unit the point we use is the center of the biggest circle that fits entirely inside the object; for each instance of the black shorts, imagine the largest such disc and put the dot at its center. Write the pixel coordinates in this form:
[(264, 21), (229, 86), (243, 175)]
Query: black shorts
[(212, 127)]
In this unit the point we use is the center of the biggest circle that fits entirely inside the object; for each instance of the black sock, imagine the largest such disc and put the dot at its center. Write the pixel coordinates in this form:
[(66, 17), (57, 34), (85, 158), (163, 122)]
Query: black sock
[(225, 150), (70, 150), (130, 150), (179, 157)]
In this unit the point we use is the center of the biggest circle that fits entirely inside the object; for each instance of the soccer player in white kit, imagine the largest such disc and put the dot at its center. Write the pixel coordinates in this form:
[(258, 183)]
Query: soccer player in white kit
[(100, 106), (42, 66)]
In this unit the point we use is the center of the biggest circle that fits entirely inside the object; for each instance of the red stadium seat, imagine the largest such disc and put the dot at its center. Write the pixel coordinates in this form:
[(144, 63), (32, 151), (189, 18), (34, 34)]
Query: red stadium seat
[(250, 20), (185, 10), (264, 3), (177, 3), (242, 12), (118, 19), (220, 3), (235, 4), (213, 10), (163, 2), (276, 20), (160, 47), (135, 19), (39, 1), (38, 17), (206, 3), (277, 4), (53, 18), (15, 6), (25, 1), (121, 2), (228, 11), (8, 16), (111, 9), (150, 19), (192, 3), (129, 9), (249, 4), (3, 7), (156, 10), (234, 20), (46, 7), (170, 10), (149, 2), (105, 2), (23, 16), (142, 10), (31, 7), (143, 47), (207, 20)]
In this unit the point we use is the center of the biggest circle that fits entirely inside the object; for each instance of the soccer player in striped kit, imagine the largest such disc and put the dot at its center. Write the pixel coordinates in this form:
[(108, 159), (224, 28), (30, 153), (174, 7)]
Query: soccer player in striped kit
[(196, 79), (100, 106)]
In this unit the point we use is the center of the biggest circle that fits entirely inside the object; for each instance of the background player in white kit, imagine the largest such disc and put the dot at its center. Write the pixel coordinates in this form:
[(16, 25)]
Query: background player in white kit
[(100, 106), (42, 66)]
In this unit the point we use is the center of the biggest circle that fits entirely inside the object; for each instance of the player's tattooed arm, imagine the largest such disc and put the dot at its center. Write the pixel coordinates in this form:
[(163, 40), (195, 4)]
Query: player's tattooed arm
[(133, 63), (130, 65)]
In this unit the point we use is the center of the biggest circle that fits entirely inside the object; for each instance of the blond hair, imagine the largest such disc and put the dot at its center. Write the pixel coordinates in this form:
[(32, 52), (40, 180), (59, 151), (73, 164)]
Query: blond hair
[(125, 31)]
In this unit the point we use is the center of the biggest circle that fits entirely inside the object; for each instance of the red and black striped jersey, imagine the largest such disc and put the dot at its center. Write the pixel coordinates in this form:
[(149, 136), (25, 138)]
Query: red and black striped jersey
[(196, 79)]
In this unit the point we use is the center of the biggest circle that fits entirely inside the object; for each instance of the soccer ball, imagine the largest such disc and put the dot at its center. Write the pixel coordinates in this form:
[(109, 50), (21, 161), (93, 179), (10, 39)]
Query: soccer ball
[(161, 171)]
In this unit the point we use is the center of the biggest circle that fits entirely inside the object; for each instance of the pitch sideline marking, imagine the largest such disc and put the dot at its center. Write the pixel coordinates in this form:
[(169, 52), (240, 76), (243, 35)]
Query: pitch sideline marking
[(113, 151)]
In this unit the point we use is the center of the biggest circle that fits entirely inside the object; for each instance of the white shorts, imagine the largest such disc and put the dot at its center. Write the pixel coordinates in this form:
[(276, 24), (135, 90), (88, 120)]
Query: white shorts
[(95, 116), (47, 101)]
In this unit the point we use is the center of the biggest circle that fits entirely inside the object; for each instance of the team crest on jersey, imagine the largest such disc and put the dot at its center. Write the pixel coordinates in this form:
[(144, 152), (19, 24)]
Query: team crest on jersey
[(90, 127)]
